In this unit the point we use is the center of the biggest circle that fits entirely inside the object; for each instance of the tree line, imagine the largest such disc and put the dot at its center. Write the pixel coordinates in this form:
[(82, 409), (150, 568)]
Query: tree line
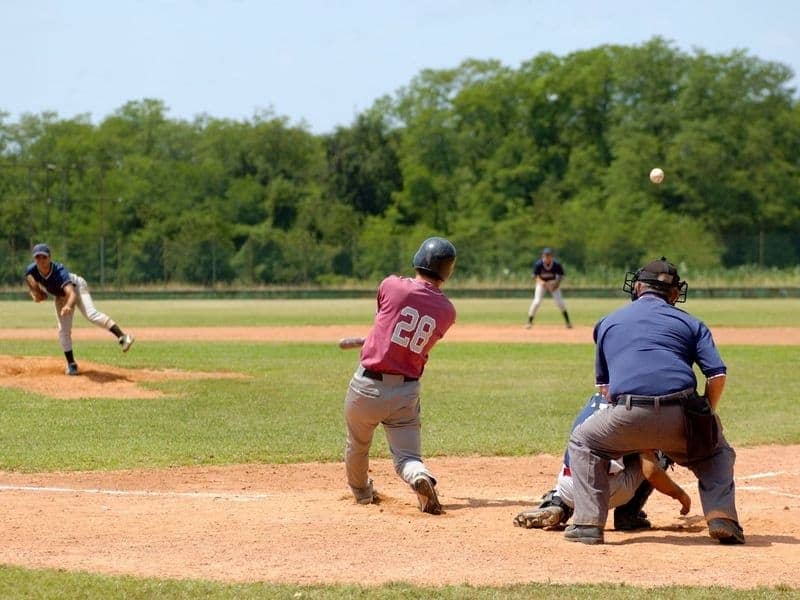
[(500, 160)]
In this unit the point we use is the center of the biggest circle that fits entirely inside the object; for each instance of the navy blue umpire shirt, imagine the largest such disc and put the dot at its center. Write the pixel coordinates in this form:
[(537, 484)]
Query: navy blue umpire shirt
[(55, 280), (648, 348)]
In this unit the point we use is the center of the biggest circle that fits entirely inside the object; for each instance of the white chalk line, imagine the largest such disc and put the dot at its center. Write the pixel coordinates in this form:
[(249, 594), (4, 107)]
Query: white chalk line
[(233, 497), (146, 493), (762, 475), (768, 490)]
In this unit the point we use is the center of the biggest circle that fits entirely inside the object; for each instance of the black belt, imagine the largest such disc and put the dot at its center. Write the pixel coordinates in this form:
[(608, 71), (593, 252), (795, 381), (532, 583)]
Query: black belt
[(379, 376), (634, 400)]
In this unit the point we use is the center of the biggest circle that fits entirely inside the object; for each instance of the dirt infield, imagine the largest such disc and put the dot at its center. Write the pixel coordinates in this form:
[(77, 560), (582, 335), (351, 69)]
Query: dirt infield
[(46, 376), (298, 523)]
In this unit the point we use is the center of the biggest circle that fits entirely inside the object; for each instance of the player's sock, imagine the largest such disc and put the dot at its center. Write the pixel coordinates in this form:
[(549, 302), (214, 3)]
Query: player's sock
[(530, 320), (70, 357), (566, 318), (116, 331)]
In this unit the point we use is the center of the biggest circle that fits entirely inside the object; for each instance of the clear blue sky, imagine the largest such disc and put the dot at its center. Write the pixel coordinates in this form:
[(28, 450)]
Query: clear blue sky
[(322, 62)]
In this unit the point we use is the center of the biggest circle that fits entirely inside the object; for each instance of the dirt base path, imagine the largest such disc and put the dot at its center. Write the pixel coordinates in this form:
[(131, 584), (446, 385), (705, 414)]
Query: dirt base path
[(459, 333), (298, 524)]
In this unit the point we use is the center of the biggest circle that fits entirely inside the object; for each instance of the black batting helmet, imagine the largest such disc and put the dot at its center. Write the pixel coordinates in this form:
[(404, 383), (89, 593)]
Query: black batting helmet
[(436, 258), (660, 276)]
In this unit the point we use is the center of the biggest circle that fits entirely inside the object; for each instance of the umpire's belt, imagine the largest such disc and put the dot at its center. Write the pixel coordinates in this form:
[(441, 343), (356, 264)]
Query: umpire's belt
[(633, 400), (379, 376)]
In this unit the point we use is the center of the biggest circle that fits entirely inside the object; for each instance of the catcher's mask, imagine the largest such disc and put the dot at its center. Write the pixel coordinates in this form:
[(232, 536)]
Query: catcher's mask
[(661, 276), (436, 258)]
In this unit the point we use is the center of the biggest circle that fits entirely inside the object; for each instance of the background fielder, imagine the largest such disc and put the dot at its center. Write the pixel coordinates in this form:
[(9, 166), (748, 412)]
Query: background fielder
[(69, 290), (547, 274), (413, 314)]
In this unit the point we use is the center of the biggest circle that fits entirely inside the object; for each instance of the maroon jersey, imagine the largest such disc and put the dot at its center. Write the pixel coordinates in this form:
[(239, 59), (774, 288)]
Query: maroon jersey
[(412, 316)]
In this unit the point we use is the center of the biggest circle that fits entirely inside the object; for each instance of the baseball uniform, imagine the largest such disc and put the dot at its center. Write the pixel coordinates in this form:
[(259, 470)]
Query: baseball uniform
[(412, 315)]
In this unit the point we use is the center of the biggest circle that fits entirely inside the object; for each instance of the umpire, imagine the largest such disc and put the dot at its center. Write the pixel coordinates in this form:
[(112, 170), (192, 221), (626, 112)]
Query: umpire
[(644, 365)]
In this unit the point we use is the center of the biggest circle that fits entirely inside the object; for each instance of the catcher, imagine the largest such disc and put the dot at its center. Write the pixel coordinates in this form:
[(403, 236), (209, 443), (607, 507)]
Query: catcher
[(69, 290), (547, 273), (631, 481)]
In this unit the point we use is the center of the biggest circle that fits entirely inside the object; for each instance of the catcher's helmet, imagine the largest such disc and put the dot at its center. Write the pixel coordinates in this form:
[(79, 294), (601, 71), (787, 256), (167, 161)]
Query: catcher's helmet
[(660, 276), (436, 258)]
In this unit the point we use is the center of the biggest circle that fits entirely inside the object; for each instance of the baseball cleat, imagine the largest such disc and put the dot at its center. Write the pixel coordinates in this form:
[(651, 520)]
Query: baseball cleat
[(126, 341), (623, 522), (426, 495), (586, 534), (539, 518), (727, 531), (365, 495), (72, 369)]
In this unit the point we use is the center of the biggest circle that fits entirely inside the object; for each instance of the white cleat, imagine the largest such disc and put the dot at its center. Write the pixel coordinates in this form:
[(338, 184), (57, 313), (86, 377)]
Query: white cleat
[(126, 341)]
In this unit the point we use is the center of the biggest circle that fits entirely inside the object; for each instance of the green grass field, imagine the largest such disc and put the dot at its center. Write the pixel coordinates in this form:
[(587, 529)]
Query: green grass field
[(487, 399)]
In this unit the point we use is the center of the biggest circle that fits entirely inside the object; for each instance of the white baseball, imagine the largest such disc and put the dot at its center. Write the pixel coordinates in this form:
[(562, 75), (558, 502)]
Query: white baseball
[(656, 175)]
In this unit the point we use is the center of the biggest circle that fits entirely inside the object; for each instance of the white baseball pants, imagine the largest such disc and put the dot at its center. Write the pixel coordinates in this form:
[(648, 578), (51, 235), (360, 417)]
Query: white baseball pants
[(86, 305), (538, 296)]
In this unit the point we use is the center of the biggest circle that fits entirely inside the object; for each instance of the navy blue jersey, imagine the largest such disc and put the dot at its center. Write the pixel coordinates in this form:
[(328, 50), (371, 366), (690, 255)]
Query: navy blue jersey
[(55, 280), (554, 271), (649, 347), (594, 404)]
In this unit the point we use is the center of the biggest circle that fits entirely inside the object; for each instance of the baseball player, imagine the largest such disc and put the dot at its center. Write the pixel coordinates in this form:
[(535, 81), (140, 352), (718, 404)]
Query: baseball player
[(69, 290), (645, 353), (547, 273), (412, 315), (631, 481)]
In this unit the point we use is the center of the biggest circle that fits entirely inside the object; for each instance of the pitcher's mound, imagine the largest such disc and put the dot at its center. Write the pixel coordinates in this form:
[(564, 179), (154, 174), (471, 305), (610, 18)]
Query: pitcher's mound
[(45, 375)]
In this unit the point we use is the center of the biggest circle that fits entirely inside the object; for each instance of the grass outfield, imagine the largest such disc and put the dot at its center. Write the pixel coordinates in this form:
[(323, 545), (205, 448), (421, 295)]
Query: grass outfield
[(488, 399)]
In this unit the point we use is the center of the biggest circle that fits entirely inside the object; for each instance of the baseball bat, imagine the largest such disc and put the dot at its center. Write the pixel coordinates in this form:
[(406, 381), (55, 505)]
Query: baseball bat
[(351, 342)]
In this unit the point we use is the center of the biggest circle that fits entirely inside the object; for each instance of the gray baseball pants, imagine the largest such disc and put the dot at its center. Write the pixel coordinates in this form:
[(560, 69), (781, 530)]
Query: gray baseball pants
[(623, 430), (393, 403)]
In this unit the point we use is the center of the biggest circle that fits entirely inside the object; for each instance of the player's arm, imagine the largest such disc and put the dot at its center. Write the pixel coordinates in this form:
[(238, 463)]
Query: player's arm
[(714, 387), (34, 290), (72, 299), (661, 481)]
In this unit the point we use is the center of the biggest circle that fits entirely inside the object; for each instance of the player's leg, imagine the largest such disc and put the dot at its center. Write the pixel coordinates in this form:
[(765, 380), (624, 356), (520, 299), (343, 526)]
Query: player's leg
[(538, 295), (87, 307), (718, 493), (402, 428), (65, 334), (559, 300), (629, 491), (364, 408), (616, 431)]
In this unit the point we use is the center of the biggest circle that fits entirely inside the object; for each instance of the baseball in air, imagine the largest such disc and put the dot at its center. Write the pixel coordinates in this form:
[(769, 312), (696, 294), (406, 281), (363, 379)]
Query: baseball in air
[(656, 175)]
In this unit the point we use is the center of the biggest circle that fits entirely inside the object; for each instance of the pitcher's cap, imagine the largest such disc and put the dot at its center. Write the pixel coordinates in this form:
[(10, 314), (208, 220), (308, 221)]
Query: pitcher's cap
[(41, 249)]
